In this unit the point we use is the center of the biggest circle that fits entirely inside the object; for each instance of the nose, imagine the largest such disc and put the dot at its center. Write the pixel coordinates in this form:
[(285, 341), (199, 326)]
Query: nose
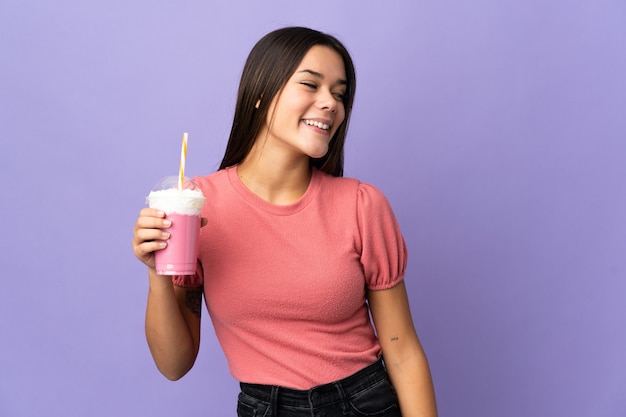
[(327, 101)]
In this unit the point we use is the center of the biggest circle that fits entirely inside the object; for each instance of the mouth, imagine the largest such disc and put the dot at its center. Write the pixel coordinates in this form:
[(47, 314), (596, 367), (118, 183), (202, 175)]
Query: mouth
[(318, 124)]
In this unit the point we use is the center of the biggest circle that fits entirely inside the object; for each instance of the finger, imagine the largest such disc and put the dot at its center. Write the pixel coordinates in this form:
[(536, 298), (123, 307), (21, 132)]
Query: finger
[(150, 222), (151, 212), (144, 235), (145, 249)]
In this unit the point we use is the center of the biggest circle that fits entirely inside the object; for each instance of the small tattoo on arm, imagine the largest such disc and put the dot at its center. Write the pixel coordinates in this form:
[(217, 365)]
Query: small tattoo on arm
[(193, 301), (395, 339)]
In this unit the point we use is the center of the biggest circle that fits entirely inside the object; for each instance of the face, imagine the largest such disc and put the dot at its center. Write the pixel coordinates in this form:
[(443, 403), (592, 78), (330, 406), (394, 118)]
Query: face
[(306, 113)]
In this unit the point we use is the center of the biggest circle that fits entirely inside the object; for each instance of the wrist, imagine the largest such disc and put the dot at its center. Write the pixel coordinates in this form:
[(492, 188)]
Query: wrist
[(159, 281)]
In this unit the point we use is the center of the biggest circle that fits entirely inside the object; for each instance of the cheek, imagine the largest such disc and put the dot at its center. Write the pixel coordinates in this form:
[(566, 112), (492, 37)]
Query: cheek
[(288, 111)]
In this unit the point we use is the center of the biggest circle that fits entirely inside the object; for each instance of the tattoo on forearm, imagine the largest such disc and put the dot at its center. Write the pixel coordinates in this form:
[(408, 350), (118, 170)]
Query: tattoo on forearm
[(395, 339), (193, 301)]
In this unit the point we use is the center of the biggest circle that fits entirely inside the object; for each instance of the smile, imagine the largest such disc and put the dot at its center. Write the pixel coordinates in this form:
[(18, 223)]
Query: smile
[(317, 124)]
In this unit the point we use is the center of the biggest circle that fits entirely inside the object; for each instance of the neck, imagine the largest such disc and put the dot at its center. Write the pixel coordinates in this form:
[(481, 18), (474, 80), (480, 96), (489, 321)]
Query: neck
[(276, 181)]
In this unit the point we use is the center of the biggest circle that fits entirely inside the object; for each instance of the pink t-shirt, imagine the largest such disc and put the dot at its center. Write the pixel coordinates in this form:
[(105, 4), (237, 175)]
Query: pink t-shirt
[(285, 286)]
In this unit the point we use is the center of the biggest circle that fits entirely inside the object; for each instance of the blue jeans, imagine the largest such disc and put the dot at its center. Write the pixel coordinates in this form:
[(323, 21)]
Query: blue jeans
[(366, 393)]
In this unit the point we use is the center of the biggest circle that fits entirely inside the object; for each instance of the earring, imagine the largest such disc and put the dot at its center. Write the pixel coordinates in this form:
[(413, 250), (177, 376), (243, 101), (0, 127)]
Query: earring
[(258, 103)]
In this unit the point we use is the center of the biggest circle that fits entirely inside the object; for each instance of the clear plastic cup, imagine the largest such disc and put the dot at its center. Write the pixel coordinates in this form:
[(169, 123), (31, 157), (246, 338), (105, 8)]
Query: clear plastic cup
[(184, 209)]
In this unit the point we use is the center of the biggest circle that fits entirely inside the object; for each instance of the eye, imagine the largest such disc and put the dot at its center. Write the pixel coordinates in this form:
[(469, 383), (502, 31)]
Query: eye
[(310, 85)]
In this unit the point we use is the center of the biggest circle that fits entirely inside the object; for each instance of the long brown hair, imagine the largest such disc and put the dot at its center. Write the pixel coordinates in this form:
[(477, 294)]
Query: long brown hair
[(271, 63)]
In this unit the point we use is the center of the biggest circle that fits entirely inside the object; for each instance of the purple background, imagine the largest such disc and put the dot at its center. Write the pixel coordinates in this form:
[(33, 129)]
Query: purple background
[(496, 129)]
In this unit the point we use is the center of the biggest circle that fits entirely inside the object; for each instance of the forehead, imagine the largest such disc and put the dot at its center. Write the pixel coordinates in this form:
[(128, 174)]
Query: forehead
[(324, 60)]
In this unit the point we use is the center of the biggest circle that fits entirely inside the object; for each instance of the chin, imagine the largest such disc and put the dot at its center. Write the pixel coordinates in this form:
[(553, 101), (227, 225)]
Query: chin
[(318, 153), (317, 149)]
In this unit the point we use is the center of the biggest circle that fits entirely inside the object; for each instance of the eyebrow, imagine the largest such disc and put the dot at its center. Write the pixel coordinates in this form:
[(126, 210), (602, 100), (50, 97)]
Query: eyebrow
[(320, 76)]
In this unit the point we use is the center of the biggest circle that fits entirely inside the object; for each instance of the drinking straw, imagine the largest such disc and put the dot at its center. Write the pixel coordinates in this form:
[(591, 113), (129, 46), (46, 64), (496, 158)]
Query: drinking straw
[(183, 156)]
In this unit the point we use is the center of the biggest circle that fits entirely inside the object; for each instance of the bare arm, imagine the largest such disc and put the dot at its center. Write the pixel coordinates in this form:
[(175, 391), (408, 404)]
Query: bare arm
[(402, 352), (173, 313), (173, 325)]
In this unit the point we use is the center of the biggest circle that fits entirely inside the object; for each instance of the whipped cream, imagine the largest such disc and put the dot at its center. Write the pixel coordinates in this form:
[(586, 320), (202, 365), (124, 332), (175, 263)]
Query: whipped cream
[(173, 200)]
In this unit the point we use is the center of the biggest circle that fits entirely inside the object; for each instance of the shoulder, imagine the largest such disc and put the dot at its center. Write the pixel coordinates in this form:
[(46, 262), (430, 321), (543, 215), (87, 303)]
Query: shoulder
[(364, 194), (330, 182), (216, 176), (213, 181)]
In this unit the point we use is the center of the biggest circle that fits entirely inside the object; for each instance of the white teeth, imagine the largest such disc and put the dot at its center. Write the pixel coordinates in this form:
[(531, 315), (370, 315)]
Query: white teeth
[(317, 124)]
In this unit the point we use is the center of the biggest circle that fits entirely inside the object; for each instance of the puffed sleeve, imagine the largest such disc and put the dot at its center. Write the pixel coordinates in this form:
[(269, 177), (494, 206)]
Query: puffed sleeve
[(383, 250), (190, 281)]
